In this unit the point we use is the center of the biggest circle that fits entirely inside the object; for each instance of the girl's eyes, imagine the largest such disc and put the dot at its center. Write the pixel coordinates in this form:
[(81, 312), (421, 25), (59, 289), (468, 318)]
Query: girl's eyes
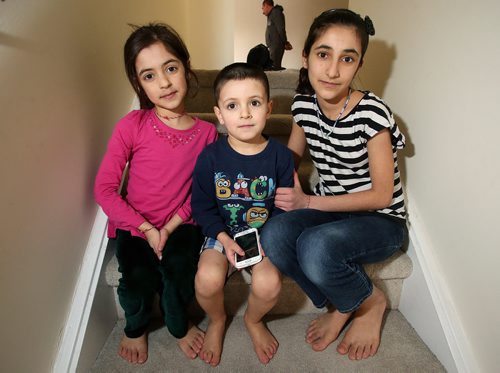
[(169, 70), (255, 103), (348, 59), (230, 106), (324, 56)]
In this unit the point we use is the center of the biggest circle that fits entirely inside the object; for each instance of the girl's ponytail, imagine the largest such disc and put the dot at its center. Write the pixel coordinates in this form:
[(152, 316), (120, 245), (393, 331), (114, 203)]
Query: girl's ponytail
[(304, 86), (370, 29)]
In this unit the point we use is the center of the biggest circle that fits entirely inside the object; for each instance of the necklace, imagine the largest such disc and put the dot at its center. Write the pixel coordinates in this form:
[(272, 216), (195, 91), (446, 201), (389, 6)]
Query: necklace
[(338, 117), (166, 117)]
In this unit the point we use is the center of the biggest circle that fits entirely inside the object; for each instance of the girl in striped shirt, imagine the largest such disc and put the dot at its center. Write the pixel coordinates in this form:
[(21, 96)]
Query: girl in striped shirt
[(356, 214)]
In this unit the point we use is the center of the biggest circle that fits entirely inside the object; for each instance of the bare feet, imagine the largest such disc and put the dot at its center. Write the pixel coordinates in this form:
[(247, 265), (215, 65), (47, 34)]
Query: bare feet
[(363, 337), (264, 343), (325, 329), (134, 350), (192, 342), (211, 350)]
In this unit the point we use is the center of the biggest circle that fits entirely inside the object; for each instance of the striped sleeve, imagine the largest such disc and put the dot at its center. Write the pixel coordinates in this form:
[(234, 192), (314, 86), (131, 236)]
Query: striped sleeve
[(339, 148)]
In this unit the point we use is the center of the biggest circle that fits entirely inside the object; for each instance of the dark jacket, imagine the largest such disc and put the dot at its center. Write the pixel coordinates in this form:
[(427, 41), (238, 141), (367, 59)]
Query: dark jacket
[(275, 30)]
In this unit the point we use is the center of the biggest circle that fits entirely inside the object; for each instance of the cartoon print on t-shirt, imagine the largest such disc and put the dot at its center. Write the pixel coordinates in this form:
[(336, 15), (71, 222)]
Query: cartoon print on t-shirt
[(240, 187), (222, 186), (256, 215), (233, 208), (260, 188), (245, 200)]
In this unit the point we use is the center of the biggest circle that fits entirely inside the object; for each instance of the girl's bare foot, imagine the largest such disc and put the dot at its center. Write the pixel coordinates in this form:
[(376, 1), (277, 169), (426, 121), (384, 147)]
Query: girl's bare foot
[(192, 342), (134, 350), (211, 350), (264, 343), (325, 329), (363, 337)]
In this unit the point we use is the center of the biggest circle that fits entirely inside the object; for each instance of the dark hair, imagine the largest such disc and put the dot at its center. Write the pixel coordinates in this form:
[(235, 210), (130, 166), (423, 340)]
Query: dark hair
[(239, 71), (144, 36), (268, 2), (344, 17)]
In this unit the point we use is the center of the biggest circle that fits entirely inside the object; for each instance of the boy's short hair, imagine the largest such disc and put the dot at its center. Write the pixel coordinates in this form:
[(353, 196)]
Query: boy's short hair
[(240, 71)]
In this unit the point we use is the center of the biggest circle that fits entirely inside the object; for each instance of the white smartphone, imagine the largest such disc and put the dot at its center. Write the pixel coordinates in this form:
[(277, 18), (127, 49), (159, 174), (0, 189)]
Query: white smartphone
[(248, 240)]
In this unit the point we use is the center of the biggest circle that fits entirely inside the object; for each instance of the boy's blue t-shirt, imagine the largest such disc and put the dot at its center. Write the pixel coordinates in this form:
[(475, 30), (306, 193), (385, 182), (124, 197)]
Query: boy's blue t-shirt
[(232, 192)]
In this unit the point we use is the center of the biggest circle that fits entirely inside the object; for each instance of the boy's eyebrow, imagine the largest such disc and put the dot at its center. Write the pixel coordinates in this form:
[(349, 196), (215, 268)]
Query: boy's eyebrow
[(235, 98), (163, 64), (349, 50)]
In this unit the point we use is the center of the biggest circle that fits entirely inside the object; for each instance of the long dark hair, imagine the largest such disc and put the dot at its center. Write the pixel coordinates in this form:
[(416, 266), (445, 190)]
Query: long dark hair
[(344, 17), (144, 36)]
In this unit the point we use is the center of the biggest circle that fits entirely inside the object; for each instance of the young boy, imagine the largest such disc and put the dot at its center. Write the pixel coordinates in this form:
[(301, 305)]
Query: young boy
[(234, 183)]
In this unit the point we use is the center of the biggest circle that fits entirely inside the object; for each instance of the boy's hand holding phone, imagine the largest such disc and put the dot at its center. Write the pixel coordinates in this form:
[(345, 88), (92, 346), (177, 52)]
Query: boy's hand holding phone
[(230, 247), (248, 240)]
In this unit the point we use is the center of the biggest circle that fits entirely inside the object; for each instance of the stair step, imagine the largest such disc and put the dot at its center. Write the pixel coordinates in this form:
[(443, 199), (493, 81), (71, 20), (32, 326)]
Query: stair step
[(401, 350), (387, 275), (282, 89)]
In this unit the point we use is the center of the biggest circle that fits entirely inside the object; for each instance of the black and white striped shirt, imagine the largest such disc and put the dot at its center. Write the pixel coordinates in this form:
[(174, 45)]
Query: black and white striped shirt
[(341, 157)]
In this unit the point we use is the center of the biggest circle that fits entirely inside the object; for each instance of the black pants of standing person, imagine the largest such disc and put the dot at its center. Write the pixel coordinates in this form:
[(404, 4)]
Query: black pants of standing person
[(277, 52)]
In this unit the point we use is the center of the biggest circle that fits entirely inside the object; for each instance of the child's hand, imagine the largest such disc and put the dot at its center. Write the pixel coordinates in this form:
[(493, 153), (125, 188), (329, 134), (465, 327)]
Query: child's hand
[(153, 236), (164, 235), (294, 198), (231, 248)]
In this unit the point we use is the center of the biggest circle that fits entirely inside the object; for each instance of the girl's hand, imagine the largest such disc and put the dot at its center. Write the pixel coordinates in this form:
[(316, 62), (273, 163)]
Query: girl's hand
[(153, 236), (294, 198), (164, 235)]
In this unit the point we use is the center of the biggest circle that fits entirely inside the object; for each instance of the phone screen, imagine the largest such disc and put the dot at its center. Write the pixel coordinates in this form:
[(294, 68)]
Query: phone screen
[(249, 244)]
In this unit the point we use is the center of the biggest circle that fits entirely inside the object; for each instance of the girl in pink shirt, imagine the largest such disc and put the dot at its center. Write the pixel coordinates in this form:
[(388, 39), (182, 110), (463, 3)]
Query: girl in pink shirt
[(157, 242)]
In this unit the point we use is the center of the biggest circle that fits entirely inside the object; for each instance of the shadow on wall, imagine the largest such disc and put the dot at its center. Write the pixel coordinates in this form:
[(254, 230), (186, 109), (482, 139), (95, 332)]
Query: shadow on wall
[(374, 76), (17, 43), (377, 67), (408, 151)]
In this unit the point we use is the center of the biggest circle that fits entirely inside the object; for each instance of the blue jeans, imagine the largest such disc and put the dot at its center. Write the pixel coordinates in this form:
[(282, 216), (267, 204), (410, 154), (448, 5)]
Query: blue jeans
[(324, 252)]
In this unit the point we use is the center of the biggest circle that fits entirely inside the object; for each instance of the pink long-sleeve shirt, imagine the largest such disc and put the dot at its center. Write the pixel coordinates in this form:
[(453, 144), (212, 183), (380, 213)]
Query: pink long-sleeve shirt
[(161, 162)]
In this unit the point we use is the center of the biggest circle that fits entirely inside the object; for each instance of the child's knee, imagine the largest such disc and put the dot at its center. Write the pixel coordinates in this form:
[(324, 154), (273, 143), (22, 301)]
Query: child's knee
[(266, 284), (209, 280)]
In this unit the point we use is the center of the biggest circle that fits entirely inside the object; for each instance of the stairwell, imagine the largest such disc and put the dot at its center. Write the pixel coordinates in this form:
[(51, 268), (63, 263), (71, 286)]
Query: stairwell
[(405, 351)]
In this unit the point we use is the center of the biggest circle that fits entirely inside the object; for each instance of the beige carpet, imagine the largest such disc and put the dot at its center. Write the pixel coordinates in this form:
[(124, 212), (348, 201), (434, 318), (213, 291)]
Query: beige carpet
[(401, 350)]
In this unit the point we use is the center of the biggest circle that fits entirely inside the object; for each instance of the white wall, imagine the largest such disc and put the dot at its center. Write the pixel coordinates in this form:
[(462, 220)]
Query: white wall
[(250, 25), (210, 33), (438, 70)]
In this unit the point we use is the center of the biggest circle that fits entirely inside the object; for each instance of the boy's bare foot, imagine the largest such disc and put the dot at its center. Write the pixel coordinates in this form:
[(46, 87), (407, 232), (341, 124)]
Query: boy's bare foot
[(212, 345), (134, 350), (325, 329), (264, 343), (192, 342), (363, 337)]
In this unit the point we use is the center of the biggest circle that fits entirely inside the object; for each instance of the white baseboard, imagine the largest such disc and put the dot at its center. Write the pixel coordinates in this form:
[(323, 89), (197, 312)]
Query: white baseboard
[(434, 287), (76, 324)]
